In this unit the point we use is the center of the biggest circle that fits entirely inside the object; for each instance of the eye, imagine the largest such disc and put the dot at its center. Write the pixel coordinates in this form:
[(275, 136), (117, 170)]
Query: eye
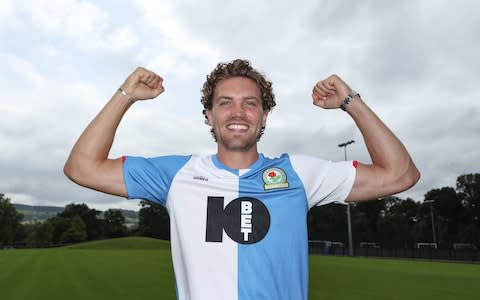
[(251, 103), (223, 102)]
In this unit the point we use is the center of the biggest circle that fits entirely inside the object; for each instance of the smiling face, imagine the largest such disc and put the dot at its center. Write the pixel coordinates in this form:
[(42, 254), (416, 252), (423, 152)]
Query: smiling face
[(237, 116)]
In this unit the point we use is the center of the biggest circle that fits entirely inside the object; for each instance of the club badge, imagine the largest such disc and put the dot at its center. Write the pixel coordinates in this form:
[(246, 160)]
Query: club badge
[(274, 178)]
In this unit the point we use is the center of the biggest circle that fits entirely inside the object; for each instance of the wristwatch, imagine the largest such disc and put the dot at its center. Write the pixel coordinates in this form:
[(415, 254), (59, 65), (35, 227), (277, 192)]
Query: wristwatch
[(347, 99)]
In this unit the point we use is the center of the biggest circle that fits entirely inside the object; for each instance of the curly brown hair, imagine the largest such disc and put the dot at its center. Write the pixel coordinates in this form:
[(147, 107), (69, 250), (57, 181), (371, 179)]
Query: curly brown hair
[(237, 67)]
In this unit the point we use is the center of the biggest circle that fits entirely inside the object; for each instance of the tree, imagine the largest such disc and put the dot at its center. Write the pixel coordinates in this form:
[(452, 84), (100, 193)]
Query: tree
[(39, 234), (94, 226), (75, 233), (366, 216), (154, 221), (447, 212), (468, 189), (114, 222), (59, 226), (9, 221), (399, 225), (393, 231), (327, 222)]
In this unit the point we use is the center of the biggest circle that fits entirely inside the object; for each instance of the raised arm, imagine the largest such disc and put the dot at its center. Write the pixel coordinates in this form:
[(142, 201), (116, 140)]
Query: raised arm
[(88, 164), (392, 169)]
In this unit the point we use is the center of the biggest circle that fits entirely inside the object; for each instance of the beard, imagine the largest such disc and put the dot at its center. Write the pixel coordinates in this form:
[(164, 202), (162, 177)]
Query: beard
[(237, 144)]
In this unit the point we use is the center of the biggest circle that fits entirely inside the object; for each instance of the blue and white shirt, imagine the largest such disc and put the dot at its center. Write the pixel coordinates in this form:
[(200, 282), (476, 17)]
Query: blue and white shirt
[(239, 234)]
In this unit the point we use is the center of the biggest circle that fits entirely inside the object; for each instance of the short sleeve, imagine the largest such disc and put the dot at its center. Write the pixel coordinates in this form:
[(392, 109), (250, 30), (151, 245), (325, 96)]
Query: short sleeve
[(324, 181), (150, 178)]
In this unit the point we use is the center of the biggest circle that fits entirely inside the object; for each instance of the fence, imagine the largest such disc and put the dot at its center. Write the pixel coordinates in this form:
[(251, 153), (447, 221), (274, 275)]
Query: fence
[(429, 253), (30, 246), (456, 253)]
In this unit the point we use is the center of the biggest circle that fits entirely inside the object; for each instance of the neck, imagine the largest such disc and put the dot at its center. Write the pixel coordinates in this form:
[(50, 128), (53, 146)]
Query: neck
[(237, 159)]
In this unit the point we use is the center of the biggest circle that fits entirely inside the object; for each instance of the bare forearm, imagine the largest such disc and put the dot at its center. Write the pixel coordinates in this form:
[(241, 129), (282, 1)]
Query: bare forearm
[(385, 149), (93, 146), (88, 164)]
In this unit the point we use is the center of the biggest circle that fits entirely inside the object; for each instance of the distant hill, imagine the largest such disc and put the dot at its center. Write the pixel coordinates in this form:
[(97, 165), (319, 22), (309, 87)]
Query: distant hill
[(37, 213), (42, 213)]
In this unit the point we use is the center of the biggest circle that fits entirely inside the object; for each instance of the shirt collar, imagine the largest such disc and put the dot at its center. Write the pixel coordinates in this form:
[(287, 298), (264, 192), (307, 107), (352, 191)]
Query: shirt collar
[(239, 172)]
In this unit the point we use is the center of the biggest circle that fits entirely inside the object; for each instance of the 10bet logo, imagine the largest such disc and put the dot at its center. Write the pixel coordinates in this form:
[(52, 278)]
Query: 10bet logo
[(245, 220)]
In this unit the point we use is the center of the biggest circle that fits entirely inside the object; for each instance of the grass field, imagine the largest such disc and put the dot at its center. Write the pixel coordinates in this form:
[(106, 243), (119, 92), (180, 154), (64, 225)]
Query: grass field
[(141, 268)]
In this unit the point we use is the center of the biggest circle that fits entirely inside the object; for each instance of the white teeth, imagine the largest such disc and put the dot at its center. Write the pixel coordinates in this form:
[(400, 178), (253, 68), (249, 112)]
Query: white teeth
[(237, 127)]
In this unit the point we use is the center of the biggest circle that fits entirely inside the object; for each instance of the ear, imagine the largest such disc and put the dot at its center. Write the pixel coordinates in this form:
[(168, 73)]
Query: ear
[(264, 118), (208, 113)]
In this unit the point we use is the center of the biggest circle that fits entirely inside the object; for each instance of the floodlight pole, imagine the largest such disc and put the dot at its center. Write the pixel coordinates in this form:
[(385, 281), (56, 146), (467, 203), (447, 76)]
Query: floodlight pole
[(349, 218), (431, 216)]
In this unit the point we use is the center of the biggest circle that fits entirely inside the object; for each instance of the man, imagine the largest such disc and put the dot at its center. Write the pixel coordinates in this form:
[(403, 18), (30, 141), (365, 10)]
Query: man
[(238, 218)]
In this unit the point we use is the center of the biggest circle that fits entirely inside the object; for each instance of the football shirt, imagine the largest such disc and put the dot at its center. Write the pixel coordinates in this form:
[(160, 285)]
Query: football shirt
[(239, 234)]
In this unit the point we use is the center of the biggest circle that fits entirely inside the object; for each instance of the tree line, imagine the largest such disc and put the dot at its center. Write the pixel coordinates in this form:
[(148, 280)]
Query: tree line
[(78, 223), (389, 222), (393, 222)]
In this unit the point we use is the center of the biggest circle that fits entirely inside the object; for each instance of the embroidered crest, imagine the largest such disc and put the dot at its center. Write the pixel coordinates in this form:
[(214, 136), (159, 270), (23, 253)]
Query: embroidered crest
[(274, 178)]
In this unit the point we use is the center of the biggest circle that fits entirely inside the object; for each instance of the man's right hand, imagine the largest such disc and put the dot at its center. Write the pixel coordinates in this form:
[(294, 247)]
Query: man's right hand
[(143, 84)]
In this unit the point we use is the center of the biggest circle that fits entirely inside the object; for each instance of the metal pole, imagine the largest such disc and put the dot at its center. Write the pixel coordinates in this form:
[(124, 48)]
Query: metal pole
[(349, 217), (433, 222)]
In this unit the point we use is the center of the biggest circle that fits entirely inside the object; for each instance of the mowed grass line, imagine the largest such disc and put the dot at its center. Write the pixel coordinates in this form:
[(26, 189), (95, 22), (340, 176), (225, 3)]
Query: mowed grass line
[(141, 268), (75, 273), (368, 278)]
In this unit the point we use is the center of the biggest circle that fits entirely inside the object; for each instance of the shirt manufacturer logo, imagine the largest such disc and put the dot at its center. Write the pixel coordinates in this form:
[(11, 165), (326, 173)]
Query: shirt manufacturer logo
[(274, 178), (201, 178)]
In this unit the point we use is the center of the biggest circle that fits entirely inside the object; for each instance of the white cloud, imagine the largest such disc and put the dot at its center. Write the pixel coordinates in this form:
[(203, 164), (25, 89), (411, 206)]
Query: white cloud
[(62, 60), (6, 9), (84, 24), (14, 67), (122, 39), (74, 19), (172, 45), (85, 19)]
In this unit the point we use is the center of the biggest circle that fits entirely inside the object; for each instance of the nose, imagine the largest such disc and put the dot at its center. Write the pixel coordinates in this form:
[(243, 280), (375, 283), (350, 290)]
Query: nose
[(238, 109)]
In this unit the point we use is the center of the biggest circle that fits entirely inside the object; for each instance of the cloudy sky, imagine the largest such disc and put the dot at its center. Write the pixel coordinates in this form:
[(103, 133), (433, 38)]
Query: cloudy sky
[(414, 62)]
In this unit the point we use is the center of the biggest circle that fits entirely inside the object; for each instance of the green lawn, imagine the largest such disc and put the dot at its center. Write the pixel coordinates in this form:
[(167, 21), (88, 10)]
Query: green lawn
[(367, 278), (90, 271), (141, 268)]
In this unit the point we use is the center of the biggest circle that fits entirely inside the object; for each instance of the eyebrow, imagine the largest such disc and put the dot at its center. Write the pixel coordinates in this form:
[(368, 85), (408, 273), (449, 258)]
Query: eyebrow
[(243, 98)]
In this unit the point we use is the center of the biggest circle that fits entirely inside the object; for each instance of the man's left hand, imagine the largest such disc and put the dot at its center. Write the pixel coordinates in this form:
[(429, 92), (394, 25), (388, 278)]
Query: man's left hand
[(330, 92)]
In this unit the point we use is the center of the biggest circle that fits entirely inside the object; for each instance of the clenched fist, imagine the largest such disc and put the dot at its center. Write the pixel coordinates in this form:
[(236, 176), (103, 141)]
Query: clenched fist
[(330, 92), (143, 84)]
